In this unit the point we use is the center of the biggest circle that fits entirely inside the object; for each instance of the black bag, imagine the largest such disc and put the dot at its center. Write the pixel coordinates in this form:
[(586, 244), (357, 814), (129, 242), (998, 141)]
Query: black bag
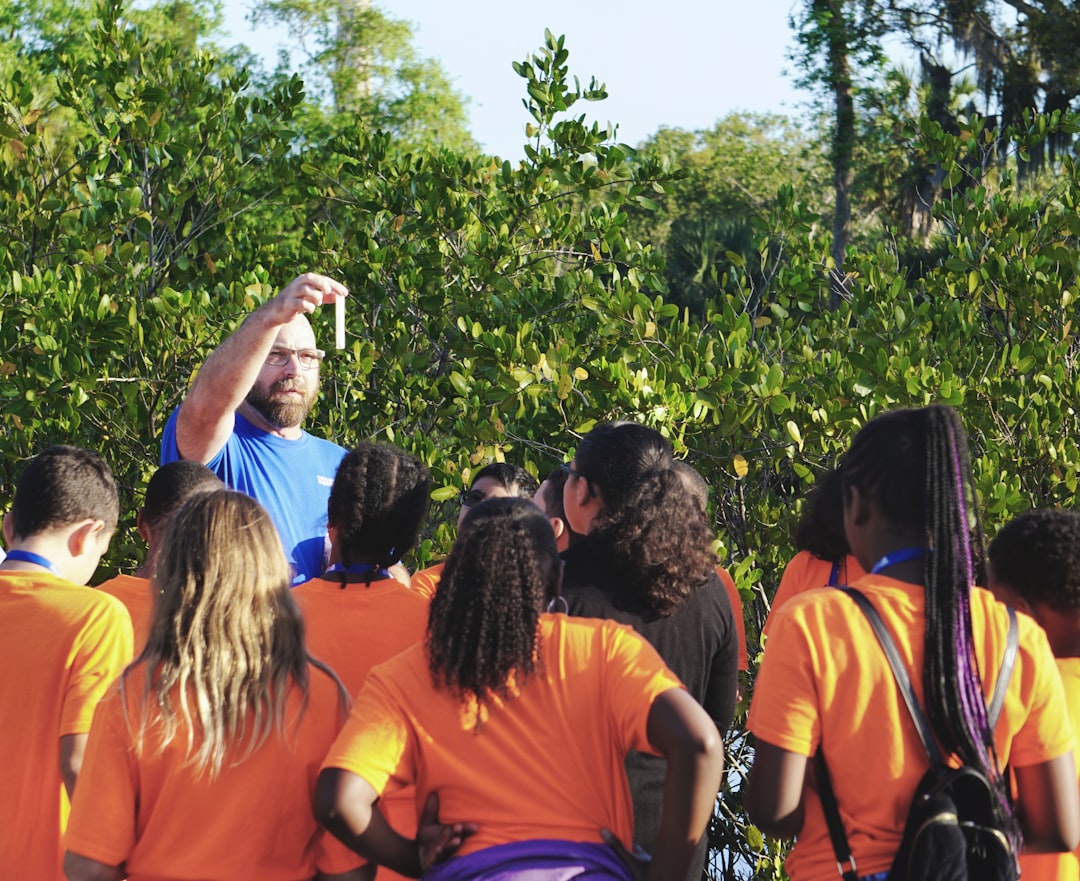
[(953, 832)]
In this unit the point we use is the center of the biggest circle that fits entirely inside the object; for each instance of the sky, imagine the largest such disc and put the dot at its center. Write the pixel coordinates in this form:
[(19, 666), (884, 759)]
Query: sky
[(677, 64)]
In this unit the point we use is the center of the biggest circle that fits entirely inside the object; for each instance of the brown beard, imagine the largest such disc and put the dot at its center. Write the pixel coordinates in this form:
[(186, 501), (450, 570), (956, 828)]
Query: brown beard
[(282, 413)]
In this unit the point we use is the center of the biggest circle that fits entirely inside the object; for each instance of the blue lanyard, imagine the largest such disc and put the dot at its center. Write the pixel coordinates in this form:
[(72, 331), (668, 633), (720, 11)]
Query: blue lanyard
[(900, 556), (376, 573), (36, 559), (834, 575)]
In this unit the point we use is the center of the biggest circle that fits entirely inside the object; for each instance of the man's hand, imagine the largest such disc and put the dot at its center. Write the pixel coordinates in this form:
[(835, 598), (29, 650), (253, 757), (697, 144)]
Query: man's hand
[(303, 295), (437, 841)]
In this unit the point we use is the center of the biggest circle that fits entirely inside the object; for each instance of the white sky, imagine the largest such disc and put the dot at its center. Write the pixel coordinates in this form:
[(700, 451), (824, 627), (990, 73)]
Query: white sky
[(679, 64)]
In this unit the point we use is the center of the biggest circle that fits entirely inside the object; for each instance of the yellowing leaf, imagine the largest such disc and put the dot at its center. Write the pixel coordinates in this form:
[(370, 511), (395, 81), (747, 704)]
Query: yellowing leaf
[(564, 386), (581, 373), (595, 252), (741, 466)]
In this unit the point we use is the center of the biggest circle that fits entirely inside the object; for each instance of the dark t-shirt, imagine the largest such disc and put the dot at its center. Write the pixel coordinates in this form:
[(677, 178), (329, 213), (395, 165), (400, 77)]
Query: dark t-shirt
[(698, 641)]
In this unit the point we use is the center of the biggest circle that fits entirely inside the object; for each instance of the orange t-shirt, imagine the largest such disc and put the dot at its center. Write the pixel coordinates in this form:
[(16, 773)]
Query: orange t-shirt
[(355, 628), (548, 763), (1059, 866), (737, 613), (254, 820), (134, 593), (61, 647), (832, 686), (425, 581), (805, 572)]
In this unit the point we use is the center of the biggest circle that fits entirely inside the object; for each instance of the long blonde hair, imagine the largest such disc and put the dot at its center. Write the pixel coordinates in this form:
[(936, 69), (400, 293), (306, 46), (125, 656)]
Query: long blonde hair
[(226, 641)]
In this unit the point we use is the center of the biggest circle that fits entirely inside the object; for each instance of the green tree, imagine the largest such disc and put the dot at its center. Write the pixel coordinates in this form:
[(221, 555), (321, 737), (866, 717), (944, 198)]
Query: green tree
[(838, 38), (713, 214), (362, 62)]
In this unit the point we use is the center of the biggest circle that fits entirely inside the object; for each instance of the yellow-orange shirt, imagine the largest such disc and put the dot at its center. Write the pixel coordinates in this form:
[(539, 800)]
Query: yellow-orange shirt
[(1059, 866), (737, 613), (831, 685), (151, 810), (805, 572), (134, 593), (425, 581), (355, 627), (61, 647), (548, 763)]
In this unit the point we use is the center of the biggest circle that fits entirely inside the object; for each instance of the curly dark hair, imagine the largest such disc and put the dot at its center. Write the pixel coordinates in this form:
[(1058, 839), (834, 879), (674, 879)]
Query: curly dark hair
[(377, 504), (660, 540), (820, 529), (484, 618), (1037, 555)]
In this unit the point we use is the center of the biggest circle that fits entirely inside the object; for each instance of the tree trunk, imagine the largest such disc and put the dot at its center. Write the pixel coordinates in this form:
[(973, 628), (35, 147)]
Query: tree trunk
[(838, 64)]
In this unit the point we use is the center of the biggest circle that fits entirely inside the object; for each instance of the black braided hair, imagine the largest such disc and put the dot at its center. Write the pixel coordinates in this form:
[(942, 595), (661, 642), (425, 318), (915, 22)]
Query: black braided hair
[(660, 539), (914, 465), (377, 504), (484, 618)]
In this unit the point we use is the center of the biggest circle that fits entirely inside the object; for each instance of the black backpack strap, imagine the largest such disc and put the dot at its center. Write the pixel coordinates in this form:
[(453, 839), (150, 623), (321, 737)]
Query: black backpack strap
[(1008, 661), (900, 674), (845, 862)]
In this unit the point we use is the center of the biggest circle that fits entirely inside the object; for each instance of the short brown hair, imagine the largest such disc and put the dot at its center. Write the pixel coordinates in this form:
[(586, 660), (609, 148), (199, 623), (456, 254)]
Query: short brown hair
[(64, 485)]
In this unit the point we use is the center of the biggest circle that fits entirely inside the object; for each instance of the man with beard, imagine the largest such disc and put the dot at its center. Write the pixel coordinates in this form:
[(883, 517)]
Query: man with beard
[(242, 418)]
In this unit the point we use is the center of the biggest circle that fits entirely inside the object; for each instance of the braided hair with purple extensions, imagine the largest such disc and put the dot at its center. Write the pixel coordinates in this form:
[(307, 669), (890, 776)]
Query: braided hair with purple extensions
[(914, 465)]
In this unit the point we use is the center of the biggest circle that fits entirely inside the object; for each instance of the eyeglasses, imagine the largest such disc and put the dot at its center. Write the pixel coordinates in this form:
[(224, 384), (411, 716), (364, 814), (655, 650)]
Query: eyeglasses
[(470, 498), (309, 358), (572, 472)]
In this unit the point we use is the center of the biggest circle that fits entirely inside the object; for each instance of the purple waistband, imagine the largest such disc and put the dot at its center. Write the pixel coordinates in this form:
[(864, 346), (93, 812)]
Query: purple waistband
[(541, 859)]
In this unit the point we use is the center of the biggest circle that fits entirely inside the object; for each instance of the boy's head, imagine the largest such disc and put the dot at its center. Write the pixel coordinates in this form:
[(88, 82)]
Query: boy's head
[(497, 480), (62, 486), (549, 499), (1035, 561), (1035, 567), (67, 497), (168, 489)]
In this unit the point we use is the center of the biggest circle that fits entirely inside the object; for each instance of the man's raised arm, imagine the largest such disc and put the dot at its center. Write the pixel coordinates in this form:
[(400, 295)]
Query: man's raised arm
[(206, 417)]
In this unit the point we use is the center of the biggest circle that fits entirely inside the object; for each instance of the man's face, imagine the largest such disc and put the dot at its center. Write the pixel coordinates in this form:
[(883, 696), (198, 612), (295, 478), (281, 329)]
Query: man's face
[(284, 395)]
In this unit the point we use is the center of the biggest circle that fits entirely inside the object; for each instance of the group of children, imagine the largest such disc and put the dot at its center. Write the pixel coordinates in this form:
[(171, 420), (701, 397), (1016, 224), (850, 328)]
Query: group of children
[(548, 697)]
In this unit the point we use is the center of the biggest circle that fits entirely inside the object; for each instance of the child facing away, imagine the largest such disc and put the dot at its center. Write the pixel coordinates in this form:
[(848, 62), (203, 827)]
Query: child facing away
[(1035, 568), (61, 645), (908, 502)]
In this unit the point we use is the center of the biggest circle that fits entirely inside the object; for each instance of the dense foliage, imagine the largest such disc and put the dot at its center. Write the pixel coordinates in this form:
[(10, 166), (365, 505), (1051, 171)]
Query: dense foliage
[(153, 197)]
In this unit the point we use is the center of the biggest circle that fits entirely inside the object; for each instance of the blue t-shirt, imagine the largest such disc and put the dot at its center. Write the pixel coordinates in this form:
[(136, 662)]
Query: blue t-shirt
[(290, 478)]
